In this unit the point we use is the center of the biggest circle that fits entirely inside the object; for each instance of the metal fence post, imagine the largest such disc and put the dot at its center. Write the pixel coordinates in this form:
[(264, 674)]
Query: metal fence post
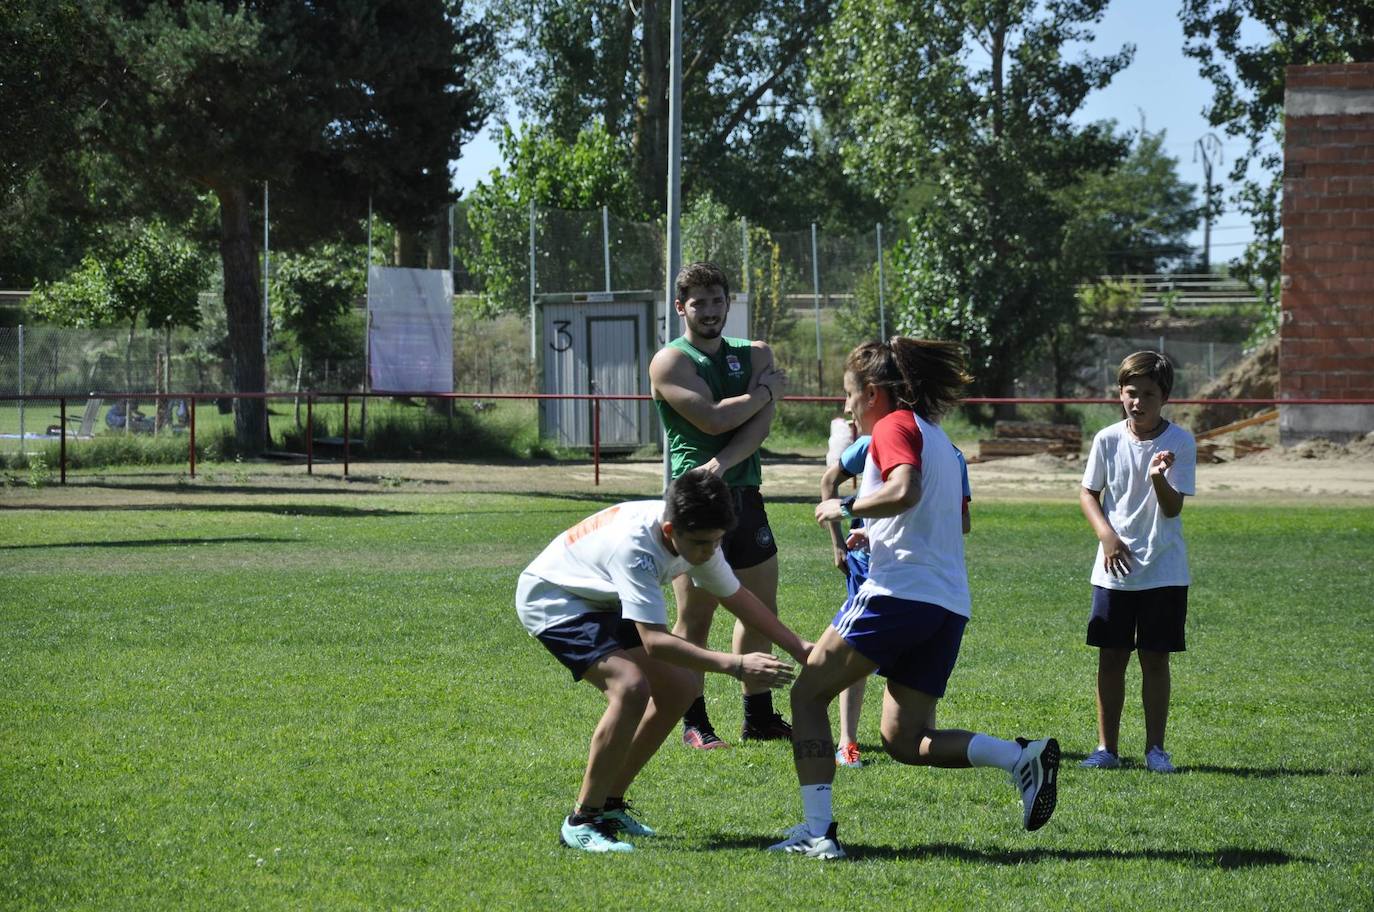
[(310, 434), (21, 389), (882, 289), (596, 437), (192, 447), (62, 432), (816, 290), (606, 243), (345, 399), (534, 350)]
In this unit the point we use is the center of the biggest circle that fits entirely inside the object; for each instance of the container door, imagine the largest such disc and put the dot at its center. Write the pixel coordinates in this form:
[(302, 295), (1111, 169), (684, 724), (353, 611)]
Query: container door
[(613, 367)]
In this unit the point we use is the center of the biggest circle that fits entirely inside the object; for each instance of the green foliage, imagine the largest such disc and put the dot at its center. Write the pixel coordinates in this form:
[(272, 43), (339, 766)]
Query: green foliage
[(312, 295), (1248, 82), (1134, 218), (543, 170), (981, 260), (156, 276), (747, 109), (331, 105)]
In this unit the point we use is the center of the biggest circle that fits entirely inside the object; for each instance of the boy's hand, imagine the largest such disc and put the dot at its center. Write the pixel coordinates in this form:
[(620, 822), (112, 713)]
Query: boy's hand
[(1160, 462), (839, 556), (828, 511), (1116, 557), (760, 669), (857, 539)]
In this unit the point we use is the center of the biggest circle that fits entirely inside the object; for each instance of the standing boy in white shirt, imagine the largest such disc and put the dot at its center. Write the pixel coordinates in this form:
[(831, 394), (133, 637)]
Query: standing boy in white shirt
[(594, 598), (1138, 472)]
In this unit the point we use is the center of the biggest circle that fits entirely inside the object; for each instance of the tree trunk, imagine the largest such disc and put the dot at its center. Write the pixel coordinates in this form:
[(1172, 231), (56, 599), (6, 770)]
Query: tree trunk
[(651, 124), (243, 309)]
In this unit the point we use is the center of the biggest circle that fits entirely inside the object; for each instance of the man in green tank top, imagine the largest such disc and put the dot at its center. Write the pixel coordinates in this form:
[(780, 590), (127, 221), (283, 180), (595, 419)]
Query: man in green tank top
[(716, 397)]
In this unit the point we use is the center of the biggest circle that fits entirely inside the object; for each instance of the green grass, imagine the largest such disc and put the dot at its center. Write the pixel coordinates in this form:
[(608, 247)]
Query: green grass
[(303, 700)]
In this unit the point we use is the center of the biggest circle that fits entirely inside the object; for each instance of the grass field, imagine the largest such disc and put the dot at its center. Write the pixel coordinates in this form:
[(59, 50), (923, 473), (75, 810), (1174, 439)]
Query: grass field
[(299, 700)]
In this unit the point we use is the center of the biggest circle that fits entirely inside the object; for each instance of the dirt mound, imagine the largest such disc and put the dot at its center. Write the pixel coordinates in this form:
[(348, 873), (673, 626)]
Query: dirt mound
[(1254, 377)]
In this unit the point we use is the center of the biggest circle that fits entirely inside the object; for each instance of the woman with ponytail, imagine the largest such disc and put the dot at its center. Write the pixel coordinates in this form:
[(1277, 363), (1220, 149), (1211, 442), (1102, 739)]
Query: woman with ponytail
[(907, 619)]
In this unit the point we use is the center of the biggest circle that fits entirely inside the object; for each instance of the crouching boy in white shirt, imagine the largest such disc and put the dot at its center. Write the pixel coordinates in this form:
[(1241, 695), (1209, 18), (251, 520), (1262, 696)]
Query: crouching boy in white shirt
[(594, 598)]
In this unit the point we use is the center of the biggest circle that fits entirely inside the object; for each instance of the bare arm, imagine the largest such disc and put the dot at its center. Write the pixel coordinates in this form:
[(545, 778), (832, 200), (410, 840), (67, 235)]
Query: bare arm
[(746, 606), (754, 432), (1116, 557), (675, 380), (834, 476), (756, 669), (899, 493)]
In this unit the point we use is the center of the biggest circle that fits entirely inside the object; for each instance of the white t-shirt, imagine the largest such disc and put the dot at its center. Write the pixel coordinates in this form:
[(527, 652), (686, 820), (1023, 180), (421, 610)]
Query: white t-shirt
[(1119, 467), (918, 554), (617, 560)]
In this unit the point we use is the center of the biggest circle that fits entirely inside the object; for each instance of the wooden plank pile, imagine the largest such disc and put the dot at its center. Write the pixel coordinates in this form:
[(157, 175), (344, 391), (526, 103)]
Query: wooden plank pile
[(1026, 438)]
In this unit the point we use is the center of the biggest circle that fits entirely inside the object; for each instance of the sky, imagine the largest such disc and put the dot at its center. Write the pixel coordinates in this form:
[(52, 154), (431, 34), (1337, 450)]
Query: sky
[(1161, 85)]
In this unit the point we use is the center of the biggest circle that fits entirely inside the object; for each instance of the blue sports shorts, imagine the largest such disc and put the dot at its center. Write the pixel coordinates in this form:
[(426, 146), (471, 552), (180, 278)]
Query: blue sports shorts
[(1149, 619), (583, 641), (913, 643)]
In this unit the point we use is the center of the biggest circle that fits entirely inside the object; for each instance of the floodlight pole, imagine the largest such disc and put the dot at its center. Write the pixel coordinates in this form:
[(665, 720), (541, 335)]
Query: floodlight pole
[(266, 278), (882, 289), (673, 258)]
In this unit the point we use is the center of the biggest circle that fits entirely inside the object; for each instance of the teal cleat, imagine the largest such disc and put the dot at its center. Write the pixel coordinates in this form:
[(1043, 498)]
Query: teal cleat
[(597, 836), (620, 818)]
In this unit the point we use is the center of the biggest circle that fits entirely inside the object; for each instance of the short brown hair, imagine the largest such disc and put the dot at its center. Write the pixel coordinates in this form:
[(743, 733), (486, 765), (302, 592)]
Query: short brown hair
[(700, 275), (697, 500), (1152, 364), (925, 375)]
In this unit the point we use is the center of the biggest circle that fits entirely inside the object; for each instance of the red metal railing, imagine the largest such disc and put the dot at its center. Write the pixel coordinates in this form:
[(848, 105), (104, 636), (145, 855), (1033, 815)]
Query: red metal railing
[(595, 399)]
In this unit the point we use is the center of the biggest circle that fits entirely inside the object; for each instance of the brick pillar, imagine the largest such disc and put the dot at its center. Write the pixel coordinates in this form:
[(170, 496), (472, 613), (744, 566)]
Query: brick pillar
[(1326, 338)]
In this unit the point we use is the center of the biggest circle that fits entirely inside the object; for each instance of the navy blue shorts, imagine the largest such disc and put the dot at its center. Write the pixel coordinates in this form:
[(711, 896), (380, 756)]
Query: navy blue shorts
[(750, 543), (1149, 619), (913, 643), (583, 641)]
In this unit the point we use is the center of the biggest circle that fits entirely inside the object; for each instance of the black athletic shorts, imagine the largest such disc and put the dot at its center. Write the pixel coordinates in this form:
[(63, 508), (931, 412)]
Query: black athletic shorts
[(750, 543), (1149, 619), (581, 642)]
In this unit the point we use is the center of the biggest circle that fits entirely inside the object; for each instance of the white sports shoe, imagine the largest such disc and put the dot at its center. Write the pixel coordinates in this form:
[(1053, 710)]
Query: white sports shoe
[(799, 841), (1036, 775), (1157, 761)]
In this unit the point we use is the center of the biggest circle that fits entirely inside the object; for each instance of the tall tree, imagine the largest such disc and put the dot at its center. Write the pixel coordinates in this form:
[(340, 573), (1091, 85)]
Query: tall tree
[(1248, 79), (973, 99), (748, 109), (328, 104)]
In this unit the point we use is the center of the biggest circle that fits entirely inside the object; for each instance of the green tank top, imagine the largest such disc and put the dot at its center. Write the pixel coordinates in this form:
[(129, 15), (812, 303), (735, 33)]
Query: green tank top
[(727, 374)]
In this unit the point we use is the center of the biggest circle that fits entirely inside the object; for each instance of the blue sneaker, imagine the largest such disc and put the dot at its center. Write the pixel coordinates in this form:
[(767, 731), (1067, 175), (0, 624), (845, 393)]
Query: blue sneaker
[(1102, 759), (597, 836), (622, 821)]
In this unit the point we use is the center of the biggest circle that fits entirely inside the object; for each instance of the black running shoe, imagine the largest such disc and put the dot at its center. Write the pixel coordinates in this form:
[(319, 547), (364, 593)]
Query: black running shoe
[(770, 728)]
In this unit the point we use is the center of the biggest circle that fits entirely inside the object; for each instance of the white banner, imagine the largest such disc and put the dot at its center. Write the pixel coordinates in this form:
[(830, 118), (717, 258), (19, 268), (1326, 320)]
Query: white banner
[(410, 330)]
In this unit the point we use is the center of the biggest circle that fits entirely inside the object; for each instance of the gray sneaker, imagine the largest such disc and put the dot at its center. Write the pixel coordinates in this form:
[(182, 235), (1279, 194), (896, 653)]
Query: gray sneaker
[(1157, 761), (1102, 759), (1036, 777)]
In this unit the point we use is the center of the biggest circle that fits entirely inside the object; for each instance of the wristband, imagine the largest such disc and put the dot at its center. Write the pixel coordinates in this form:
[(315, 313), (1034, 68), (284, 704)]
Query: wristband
[(847, 507), (770, 390), (739, 668)]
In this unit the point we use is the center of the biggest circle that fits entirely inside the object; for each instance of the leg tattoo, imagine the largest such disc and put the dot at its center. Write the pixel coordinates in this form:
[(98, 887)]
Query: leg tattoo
[(813, 748)]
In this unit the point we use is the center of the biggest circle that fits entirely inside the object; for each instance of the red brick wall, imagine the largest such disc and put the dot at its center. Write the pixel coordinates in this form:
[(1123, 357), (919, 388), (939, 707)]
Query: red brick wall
[(1327, 332)]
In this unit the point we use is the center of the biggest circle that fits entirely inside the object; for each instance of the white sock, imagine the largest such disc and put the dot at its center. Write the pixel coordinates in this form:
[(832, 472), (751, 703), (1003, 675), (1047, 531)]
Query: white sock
[(985, 750), (816, 807)]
